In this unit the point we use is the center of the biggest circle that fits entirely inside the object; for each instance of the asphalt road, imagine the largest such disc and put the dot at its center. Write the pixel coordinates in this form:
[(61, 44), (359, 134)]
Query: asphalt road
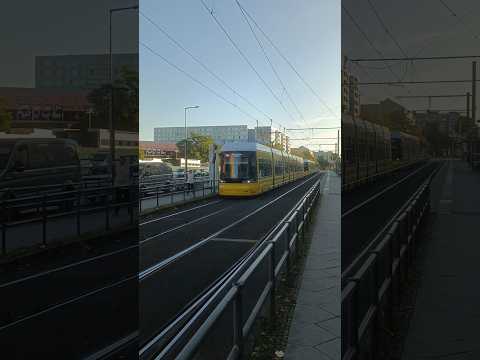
[(214, 237), (363, 217), (78, 299)]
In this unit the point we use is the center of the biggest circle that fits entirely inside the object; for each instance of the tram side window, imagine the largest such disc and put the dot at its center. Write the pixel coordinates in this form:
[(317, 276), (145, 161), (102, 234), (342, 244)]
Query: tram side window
[(278, 167), (264, 167)]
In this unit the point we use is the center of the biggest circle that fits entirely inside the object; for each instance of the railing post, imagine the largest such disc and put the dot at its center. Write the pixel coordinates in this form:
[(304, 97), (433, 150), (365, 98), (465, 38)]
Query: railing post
[(4, 229), (44, 219), (239, 320), (131, 200), (273, 294), (107, 205), (79, 199)]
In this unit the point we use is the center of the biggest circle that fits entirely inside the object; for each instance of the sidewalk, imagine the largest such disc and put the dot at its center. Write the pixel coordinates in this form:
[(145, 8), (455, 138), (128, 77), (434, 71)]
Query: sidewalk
[(315, 328), (446, 320)]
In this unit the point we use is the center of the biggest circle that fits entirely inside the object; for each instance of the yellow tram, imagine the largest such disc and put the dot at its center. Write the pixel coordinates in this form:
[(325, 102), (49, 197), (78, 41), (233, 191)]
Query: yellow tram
[(249, 169), (370, 150)]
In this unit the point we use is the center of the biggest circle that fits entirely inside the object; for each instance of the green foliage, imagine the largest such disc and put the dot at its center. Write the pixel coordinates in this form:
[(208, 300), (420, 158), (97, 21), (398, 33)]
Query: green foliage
[(395, 121), (197, 147), (303, 153), (125, 102), (437, 140), (5, 116)]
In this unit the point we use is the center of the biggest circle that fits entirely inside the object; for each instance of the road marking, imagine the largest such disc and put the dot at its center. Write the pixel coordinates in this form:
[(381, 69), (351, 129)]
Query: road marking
[(180, 226), (53, 307), (47, 272), (348, 212), (235, 240), (178, 213), (369, 246), (154, 268)]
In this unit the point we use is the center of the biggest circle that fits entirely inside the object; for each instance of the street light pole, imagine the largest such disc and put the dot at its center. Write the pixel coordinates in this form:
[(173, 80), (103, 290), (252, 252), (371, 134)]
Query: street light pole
[(186, 137), (110, 78)]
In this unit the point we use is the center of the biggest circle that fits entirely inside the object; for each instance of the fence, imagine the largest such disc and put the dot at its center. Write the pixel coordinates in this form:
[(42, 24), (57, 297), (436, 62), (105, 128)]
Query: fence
[(371, 292), (157, 193), (219, 324), (62, 209)]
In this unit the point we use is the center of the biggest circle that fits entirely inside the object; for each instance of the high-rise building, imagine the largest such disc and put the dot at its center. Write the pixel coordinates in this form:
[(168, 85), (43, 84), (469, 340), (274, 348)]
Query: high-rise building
[(350, 94), (87, 71), (219, 134)]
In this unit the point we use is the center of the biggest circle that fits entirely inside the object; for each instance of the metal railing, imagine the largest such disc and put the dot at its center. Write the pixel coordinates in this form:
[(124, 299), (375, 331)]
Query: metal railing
[(47, 208), (219, 324), (372, 289), (164, 192)]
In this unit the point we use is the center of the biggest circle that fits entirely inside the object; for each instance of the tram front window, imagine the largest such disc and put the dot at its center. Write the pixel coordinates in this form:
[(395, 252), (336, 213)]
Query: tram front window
[(238, 167)]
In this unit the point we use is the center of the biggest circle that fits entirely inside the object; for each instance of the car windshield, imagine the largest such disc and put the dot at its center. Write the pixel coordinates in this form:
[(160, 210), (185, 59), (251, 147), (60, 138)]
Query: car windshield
[(238, 166), (5, 151)]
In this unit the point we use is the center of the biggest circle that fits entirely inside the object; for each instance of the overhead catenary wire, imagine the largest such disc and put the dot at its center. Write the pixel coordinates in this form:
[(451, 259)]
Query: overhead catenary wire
[(289, 63), (205, 67), (389, 33), (191, 77), (244, 57), (369, 41), (460, 20), (269, 61)]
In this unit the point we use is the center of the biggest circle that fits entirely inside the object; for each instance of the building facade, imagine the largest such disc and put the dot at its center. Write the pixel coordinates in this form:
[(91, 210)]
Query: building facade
[(219, 134), (46, 108), (350, 93), (80, 71)]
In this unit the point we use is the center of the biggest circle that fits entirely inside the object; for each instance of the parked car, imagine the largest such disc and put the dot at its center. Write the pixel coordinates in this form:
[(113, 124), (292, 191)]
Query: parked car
[(101, 163), (28, 165)]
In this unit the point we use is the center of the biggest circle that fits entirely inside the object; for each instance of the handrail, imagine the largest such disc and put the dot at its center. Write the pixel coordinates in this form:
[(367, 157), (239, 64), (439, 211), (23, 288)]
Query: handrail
[(233, 290), (371, 289)]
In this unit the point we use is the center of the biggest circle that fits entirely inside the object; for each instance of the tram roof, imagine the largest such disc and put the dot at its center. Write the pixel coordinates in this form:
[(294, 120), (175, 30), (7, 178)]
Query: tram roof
[(251, 146)]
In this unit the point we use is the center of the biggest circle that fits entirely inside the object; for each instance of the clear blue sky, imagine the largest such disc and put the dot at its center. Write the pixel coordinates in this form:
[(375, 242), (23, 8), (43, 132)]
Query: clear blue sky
[(306, 31)]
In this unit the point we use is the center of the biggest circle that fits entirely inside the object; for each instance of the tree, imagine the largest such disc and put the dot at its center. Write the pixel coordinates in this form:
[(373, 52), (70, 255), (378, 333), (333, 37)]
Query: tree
[(5, 116), (303, 152), (125, 102), (197, 147)]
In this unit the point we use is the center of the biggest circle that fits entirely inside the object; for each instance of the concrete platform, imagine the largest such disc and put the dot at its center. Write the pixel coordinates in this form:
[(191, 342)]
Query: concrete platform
[(315, 329), (446, 319)]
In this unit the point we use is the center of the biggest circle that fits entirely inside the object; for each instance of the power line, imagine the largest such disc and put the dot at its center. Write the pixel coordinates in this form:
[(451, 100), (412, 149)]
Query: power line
[(315, 128), (315, 94), (359, 28), (416, 82), (198, 61), (268, 60), (245, 58), (417, 58), (389, 33), (191, 77), (459, 19), (315, 138)]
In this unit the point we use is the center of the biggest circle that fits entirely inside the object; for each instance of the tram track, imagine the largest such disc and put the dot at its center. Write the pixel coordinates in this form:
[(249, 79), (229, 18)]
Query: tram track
[(358, 229), (209, 258), (111, 273)]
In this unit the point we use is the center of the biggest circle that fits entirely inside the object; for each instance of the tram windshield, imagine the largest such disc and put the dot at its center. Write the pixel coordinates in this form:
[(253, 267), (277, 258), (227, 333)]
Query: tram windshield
[(238, 166)]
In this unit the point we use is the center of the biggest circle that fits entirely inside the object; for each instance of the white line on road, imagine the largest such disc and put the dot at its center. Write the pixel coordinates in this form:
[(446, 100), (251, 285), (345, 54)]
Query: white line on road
[(348, 212), (180, 226), (178, 213), (152, 269)]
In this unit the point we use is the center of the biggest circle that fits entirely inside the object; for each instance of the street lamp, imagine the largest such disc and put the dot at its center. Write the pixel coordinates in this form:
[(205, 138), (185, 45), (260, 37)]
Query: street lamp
[(186, 136), (110, 78)]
